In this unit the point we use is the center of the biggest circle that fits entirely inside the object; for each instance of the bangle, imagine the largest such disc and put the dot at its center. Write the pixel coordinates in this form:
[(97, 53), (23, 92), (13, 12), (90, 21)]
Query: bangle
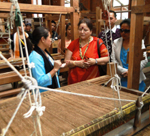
[(73, 63), (95, 61)]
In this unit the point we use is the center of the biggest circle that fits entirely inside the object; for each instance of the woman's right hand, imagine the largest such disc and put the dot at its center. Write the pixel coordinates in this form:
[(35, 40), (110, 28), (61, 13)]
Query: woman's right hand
[(82, 64), (57, 64)]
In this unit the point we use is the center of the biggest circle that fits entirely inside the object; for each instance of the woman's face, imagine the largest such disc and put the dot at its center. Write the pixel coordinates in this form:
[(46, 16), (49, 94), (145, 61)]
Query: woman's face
[(125, 31), (84, 31), (47, 41), (69, 31), (20, 29)]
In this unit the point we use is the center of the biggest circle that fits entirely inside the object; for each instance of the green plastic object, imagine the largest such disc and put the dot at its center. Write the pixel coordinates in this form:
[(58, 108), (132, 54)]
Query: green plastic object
[(17, 18)]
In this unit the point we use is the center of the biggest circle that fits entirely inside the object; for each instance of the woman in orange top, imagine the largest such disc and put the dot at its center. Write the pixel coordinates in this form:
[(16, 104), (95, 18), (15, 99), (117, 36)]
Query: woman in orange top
[(82, 54), (15, 47)]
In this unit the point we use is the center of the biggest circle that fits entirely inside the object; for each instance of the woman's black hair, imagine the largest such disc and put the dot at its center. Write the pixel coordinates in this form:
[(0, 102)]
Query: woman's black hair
[(29, 45), (69, 24), (88, 23), (125, 21), (38, 33)]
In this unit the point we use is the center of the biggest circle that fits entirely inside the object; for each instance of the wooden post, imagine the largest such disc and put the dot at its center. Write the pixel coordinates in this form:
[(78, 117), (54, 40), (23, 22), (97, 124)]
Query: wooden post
[(32, 3), (135, 53), (62, 29), (74, 19), (97, 21)]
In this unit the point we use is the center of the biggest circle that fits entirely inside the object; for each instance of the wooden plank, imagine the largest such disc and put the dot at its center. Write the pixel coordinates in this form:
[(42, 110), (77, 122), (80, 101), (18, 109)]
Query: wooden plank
[(57, 56), (4, 49), (97, 22), (10, 92), (10, 77), (140, 9), (62, 29), (74, 19), (147, 19), (62, 33), (64, 69), (30, 8), (4, 15), (136, 31)]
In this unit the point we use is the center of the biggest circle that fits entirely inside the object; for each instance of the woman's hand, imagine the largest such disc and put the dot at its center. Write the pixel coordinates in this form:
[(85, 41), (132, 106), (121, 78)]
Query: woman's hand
[(125, 74), (57, 64), (89, 62), (81, 64)]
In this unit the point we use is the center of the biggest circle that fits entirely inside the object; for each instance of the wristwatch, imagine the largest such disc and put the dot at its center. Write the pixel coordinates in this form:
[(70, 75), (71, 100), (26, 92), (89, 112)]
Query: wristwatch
[(95, 61)]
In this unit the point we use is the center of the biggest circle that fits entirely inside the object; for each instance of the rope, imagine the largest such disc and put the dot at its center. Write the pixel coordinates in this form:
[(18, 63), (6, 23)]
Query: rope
[(145, 91), (57, 27), (83, 95), (23, 61)]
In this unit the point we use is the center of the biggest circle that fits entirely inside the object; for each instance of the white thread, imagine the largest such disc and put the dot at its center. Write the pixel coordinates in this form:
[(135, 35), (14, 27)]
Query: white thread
[(38, 108), (145, 91), (23, 61), (83, 95), (31, 65)]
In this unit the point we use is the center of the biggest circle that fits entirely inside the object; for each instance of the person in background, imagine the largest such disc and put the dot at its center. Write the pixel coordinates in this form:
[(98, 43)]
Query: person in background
[(46, 69), (53, 27), (28, 30), (15, 50), (115, 31), (82, 54), (119, 55), (67, 38)]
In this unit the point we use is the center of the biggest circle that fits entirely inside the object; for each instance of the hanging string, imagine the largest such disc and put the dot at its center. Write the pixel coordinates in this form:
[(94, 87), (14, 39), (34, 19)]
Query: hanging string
[(23, 61), (57, 27)]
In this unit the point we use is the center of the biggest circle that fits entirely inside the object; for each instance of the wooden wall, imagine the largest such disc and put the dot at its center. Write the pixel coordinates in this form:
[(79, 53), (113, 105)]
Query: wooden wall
[(91, 4)]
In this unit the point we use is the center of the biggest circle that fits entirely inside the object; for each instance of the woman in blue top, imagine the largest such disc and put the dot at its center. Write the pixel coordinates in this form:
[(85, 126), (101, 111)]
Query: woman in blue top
[(46, 69), (119, 55)]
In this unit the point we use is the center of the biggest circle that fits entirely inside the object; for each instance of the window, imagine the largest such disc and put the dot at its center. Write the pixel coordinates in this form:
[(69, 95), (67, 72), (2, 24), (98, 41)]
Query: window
[(121, 8)]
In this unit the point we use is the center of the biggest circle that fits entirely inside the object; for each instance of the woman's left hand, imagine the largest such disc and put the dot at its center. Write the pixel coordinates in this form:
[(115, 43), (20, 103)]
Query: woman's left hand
[(89, 62)]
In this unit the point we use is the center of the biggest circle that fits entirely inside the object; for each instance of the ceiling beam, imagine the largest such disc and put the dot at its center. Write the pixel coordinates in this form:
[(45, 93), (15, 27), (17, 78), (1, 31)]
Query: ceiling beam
[(30, 8)]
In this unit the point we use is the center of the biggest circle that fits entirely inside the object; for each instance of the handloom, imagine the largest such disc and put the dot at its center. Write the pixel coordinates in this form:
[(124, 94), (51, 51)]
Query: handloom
[(72, 115)]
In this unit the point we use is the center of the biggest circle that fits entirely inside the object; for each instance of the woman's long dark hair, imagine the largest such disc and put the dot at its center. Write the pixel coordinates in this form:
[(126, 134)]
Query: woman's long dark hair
[(38, 33), (69, 24), (29, 45)]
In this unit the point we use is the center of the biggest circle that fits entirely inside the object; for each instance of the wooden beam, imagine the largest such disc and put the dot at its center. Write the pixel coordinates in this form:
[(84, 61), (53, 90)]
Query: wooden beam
[(62, 29), (10, 92), (30, 8), (62, 33), (4, 15), (147, 19), (74, 19), (98, 23), (136, 31), (140, 9)]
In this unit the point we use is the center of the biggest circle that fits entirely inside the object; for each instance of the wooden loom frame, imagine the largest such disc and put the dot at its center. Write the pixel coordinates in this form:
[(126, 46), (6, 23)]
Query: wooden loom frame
[(136, 32), (47, 9), (5, 8)]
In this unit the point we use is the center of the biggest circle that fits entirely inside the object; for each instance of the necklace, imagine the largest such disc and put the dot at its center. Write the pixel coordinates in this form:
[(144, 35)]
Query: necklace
[(80, 50)]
